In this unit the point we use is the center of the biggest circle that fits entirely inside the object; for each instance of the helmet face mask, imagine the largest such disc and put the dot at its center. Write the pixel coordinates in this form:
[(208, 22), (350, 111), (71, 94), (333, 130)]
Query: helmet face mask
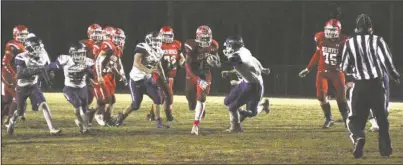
[(154, 40), (204, 36), (167, 37), (33, 46), (331, 32), (20, 33), (96, 35), (119, 37)]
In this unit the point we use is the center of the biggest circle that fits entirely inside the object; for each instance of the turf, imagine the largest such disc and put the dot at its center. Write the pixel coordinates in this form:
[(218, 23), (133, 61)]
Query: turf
[(291, 133)]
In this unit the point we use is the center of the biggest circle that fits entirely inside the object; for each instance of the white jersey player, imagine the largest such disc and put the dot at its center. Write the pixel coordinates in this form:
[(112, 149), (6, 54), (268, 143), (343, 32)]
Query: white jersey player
[(75, 66), (147, 59), (30, 66), (249, 90)]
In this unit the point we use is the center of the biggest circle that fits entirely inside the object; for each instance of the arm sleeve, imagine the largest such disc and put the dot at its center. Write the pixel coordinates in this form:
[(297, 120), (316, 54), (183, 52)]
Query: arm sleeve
[(314, 60), (385, 55), (7, 62), (346, 62)]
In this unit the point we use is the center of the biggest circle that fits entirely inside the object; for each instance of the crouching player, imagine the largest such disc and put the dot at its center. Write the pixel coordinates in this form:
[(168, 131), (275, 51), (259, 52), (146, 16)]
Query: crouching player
[(30, 66), (250, 89), (76, 65), (146, 62)]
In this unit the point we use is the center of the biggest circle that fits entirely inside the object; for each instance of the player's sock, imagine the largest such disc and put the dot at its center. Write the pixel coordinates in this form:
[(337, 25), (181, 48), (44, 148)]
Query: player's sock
[(12, 108), (373, 122), (157, 111), (200, 106), (47, 115), (343, 108), (326, 111)]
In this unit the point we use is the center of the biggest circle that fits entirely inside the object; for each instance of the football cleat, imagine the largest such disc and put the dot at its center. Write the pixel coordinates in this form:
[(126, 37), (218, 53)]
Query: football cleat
[(100, 119), (55, 131), (159, 123), (358, 148), (328, 124), (195, 130), (235, 128), (374, 129), (150, 117), (10, 126), (266, 106), (119, 119)]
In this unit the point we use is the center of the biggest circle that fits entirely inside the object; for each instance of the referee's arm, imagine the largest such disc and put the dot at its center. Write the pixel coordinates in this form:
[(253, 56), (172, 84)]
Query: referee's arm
[(385, 57), (346, 60)]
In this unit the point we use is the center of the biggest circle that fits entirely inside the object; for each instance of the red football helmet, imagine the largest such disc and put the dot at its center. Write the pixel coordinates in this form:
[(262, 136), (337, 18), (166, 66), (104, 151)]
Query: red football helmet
[(204, 36), (167, 34), (108, 32), (332, 28), (20, 33), (119, 37), (94, 32)]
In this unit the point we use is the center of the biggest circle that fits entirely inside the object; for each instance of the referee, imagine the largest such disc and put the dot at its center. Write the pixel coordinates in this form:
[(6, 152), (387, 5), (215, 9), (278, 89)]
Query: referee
[(370, 57)]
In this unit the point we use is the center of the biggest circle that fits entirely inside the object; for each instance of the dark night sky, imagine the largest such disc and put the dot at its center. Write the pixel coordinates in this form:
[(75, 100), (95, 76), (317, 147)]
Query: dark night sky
[(279, 34)]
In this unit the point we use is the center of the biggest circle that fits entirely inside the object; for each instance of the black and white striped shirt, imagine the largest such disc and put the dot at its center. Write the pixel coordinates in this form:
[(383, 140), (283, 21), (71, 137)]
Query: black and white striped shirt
[(369, 56)]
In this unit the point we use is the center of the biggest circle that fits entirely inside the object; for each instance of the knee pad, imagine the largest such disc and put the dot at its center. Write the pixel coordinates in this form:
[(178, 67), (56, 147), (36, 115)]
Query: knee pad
[(101, 102)]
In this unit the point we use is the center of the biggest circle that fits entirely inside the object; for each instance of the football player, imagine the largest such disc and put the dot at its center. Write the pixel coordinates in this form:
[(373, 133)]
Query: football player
[(94, 33), (75, 66), (108, 59), (8, 76), (201, 56), (171, 60), (249, 90), (328, 53), (30, 66), (147, 59)]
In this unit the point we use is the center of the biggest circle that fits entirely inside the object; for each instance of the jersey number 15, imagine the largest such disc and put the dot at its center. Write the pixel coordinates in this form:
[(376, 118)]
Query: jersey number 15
[(330, 58)]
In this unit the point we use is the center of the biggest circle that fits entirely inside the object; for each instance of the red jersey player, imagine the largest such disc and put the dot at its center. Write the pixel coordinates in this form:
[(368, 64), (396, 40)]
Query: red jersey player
[(107, 62), (201, 55), (8, 77), (94, 33), (328, 56), (171, 60)]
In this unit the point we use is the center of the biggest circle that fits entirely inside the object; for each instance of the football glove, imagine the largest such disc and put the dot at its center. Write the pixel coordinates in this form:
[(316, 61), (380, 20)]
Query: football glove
[(202, 84), (303, 73), (214, 61)]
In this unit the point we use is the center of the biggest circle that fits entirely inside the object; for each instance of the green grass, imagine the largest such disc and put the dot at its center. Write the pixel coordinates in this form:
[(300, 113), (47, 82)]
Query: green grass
[(291, 133)]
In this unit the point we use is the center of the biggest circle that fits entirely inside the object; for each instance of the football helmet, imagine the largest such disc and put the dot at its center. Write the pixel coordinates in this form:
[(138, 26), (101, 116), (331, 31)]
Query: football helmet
[(119, 37), (20, 33), (94, 32), (332, 29), (33, 46), (167, 34), (232, 44), (154, 39), (78, 52), (108, 32), (204, 36)]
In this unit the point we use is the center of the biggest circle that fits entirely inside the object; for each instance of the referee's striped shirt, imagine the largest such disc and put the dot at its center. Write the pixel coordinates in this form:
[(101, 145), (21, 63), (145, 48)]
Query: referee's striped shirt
[(369, 56)]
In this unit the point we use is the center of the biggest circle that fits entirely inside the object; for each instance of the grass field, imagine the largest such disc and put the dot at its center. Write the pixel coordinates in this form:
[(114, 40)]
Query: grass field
[(291, 133)]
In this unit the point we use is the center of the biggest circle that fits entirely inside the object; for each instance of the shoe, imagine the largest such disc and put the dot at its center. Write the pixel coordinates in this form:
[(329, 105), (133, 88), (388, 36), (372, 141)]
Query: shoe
[(266, 106), (328, 124), (235, 128), (150, 117), (195, 130), (374, 129), (358, 148), (55, 131), (79, 125), (100, 119), (119, 119), (159, 123), (10, 126)]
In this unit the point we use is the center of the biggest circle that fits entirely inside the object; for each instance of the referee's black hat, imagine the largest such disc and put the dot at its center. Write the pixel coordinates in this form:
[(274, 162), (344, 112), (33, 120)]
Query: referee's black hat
[(363, 24)]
